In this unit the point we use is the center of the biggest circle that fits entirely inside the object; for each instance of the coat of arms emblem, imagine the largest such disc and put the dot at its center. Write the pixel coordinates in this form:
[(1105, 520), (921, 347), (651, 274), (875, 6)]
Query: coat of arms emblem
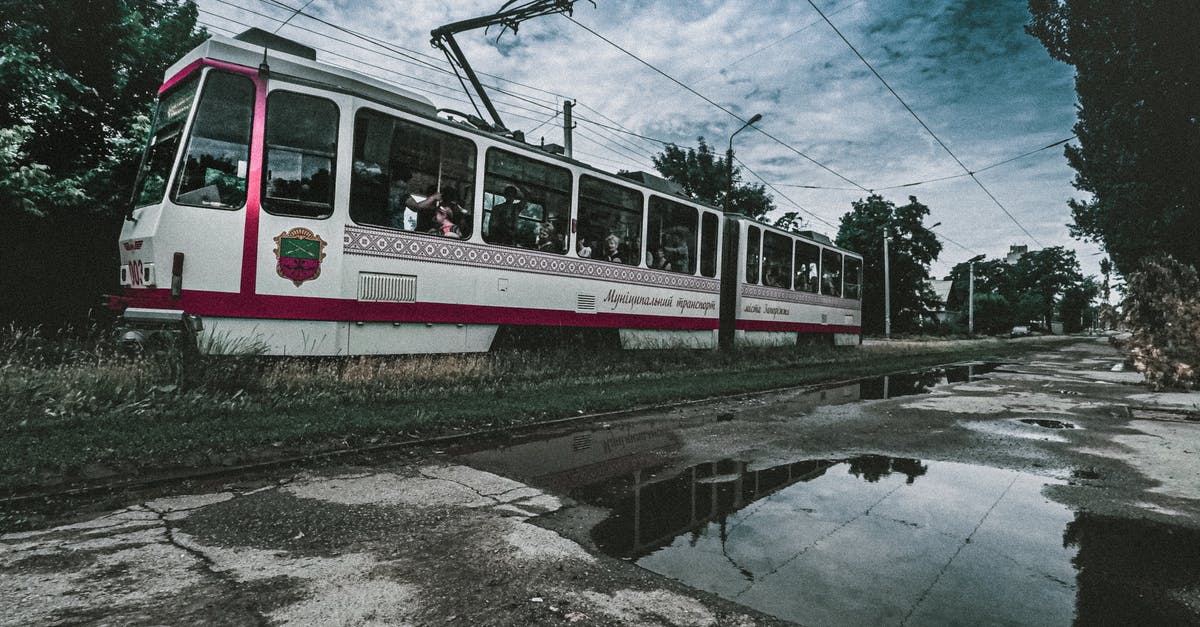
[(299, 253)]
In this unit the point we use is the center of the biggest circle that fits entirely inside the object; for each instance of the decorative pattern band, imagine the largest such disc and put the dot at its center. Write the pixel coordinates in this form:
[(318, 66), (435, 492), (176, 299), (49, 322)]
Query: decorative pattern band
[(807, 298), (371, 242)]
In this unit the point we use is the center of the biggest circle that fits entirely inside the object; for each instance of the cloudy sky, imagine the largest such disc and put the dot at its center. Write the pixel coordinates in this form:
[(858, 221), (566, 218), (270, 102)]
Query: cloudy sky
[(987, 90)]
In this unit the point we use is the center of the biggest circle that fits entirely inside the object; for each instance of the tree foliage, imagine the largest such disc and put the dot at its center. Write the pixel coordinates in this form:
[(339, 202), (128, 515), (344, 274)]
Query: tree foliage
[(1044, 276), (1163, 312), (1138, 128), (912, 248), (704, 176), (79, 78)]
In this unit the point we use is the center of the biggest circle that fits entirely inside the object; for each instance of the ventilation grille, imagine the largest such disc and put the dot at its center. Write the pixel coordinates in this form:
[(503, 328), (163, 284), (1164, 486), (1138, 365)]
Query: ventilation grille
[(387, 288), (585, 303)]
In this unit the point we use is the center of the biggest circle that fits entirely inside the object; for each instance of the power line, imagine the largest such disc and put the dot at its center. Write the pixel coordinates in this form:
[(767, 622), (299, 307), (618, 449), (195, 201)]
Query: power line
[(922, 123), (776, 42), (783, 195), (711, 102), (943, 178)]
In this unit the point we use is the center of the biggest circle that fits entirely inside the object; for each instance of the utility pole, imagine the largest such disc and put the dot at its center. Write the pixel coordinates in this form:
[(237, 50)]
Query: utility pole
[(971, 296), (568, 124), (887, 290)]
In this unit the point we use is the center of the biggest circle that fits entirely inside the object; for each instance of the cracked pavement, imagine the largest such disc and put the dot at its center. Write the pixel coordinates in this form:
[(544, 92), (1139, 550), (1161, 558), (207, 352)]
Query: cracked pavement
[(491, 532)]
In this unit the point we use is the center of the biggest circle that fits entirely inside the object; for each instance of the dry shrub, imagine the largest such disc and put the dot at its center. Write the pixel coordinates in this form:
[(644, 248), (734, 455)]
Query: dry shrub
[(1162, 310)]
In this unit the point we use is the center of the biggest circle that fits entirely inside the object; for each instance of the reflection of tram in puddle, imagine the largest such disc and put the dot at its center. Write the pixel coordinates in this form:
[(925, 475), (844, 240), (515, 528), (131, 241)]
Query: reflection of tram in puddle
[(566, 461)]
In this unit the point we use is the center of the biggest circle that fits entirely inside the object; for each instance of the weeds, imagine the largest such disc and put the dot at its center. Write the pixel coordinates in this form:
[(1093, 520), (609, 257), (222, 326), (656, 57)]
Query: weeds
[(70, 400)]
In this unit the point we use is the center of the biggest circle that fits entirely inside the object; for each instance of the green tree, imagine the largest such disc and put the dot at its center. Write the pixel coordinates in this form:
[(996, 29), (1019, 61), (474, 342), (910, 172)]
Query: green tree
[(704, 176), (993, 314), (1075, 308), (992, 276), (911, 248), (1044, 275), (79, 79), (1138, 152)]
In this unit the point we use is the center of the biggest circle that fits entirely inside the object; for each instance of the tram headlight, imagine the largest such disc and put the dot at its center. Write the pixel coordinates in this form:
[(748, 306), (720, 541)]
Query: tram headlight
[(148, 274)]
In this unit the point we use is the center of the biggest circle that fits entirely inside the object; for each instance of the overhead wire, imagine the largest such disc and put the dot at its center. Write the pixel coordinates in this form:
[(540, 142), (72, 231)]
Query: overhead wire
[(923, 124), (712, 102), (943, 178), (398, 53), (775, 43)]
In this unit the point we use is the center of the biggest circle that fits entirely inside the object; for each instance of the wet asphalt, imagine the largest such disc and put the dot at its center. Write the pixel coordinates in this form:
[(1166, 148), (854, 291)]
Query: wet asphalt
[(1054, 490)]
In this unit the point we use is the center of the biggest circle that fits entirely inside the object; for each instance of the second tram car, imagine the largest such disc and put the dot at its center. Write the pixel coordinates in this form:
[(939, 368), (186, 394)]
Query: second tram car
[(290, 207)]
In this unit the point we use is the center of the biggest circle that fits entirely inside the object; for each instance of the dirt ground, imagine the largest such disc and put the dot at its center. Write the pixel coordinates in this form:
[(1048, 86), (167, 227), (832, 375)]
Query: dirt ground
[(422, 537)]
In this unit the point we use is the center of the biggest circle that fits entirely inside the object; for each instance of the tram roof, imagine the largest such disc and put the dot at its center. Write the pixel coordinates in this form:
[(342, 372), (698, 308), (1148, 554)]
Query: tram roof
[(252, 54), (274, 51)]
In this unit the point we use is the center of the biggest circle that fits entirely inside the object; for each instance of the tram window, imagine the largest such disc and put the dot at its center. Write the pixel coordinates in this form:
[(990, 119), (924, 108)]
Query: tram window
[(709, 244), (398, 165), (753, 252), (610, 222), (218, 153), (853, 278), (300, 148), (526, 202), (673, 227), (808, 260), (173, 109), (831, 273), (777, 260)]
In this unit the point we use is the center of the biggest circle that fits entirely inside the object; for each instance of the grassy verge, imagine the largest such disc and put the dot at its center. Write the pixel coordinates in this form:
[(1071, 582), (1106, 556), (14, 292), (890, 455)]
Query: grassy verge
[(73, 410)]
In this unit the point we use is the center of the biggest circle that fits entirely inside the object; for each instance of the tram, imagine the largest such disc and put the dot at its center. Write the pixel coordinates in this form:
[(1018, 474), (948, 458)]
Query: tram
[(289, 207)]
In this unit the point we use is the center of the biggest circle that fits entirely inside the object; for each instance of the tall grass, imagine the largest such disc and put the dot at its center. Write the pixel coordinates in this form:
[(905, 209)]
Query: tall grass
[(71, 399)]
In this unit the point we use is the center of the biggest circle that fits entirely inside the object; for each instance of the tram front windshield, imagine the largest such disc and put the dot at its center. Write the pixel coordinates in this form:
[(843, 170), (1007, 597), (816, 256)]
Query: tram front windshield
[(173, 109)]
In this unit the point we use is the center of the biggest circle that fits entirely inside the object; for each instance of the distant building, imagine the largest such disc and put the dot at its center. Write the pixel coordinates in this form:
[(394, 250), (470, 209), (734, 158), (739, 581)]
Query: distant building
[(942, 289), (1015, 252)]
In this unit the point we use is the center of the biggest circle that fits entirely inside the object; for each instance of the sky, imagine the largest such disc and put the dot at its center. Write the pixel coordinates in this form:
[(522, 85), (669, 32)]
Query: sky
[(987, 90)]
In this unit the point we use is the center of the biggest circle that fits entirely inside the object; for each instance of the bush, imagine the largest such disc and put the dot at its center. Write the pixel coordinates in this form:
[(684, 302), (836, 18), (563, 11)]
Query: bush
[(1162, 311)]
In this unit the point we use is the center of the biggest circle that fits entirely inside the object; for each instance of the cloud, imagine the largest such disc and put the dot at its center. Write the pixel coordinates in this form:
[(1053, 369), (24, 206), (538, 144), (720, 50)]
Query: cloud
[(988, 90)]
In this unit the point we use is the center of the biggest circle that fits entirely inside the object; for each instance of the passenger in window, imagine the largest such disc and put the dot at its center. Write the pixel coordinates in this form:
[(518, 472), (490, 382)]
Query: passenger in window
[(583, 248), (502, 223), (676, 249), (400, 196), (658, 259), (444, 222), (548, 240), (612, 249)]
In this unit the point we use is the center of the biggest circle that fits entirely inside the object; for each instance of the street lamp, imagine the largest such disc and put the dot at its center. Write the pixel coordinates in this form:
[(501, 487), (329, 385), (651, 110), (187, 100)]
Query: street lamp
[(971, 296), (887, 287), (729, 158)]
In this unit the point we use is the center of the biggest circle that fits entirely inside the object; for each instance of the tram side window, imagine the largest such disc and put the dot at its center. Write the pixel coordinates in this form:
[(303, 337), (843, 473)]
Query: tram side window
[(777, 260), (218, 153), (673, 227), (526, 203), (610, 222), (709, 244), (808, 260), (831, 273), (853, 278), (753, 253), (397, 168), (300, 147)]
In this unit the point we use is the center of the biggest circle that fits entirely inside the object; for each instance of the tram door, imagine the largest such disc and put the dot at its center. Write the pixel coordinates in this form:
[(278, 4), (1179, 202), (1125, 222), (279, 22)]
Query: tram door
[(300, 232)]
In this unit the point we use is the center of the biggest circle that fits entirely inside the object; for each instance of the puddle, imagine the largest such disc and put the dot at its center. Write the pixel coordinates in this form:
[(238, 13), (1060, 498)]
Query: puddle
[(924, 382), (868, 540), (871, 540), (1048, 424)]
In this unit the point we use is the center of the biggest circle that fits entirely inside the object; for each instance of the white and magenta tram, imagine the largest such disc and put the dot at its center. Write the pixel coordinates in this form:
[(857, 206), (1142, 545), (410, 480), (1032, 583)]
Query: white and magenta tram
[(295, 208)]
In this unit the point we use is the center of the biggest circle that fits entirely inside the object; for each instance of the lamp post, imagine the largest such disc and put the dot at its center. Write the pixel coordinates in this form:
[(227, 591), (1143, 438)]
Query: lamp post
[(729, 158), (971, 296)]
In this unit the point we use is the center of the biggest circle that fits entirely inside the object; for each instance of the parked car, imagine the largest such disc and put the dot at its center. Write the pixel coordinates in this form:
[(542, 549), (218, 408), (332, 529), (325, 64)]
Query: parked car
[(1019, 331)]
